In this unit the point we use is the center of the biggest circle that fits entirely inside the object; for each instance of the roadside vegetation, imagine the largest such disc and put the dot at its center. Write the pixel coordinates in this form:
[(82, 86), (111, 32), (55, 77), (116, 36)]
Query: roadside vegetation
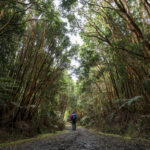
[(114, 76), (33, 68), (112, 93)]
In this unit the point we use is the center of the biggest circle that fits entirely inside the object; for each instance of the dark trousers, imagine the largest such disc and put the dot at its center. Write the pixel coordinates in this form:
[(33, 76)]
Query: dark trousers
[(73, 125)]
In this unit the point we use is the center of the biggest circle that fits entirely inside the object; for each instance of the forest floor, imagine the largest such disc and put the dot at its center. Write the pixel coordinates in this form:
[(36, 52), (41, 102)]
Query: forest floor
[(81, 139)]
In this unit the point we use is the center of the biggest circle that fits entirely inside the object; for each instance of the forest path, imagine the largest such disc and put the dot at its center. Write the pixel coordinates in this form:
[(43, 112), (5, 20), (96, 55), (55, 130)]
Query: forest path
[(81, 139)]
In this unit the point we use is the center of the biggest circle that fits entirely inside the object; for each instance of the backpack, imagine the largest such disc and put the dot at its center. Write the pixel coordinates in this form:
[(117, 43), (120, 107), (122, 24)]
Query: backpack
[(74, 116)]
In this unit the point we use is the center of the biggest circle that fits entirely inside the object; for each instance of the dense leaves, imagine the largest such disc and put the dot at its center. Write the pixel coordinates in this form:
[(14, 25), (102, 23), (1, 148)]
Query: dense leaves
[(114, 65), (113, 87), (35, 53)]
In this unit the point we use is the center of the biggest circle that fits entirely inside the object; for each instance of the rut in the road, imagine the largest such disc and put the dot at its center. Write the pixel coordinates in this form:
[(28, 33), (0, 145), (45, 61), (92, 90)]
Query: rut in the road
[(81, 139)]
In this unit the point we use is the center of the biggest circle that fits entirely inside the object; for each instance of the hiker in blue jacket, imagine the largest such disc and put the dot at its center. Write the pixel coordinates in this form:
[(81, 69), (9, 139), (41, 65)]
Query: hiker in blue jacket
[(73, 118)]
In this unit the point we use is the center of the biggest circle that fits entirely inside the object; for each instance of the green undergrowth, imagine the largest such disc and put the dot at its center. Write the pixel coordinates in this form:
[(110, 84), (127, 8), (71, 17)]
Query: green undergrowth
[(40, 136), (126, 138)]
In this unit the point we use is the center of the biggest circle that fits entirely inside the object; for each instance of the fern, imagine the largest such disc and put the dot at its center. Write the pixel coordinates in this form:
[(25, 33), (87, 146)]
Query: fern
[(129, 102), (7, 87), (111, 116)]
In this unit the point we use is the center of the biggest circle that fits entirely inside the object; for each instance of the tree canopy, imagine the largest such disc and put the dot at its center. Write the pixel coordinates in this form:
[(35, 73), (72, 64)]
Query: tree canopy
[(113, 86)]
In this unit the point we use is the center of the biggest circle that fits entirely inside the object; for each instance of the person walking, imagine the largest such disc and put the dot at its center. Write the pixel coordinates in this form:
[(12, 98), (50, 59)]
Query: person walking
[(73, 118)]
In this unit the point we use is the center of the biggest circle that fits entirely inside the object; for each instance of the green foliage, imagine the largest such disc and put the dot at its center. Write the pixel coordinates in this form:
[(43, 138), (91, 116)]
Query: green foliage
[(113, 65), (66, 4), (34, 57), (129, 102), (36, 53), (7, 88), (11, 26)]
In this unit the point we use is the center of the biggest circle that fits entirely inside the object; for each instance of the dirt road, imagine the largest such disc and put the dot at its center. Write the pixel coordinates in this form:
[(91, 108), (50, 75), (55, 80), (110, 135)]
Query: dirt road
[(82, 139)]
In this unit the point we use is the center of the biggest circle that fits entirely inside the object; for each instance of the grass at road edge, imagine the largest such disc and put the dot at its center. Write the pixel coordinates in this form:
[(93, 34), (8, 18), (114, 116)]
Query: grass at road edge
[(40, 136), (127, 138)]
